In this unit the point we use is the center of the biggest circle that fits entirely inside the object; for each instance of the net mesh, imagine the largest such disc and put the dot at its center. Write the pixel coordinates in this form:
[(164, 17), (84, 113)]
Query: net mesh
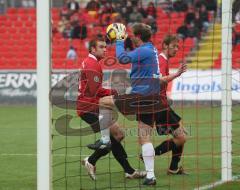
[(196, 95)]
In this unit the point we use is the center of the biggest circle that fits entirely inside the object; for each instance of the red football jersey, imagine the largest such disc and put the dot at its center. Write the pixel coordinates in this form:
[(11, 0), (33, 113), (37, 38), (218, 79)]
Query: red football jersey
[(164, 70), (90, 87)]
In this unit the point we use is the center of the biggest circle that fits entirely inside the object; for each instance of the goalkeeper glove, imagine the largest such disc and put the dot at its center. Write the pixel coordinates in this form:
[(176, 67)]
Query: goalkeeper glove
[(120, 30)]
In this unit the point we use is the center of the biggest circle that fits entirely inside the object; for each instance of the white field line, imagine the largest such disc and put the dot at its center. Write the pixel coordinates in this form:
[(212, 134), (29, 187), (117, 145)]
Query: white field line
[(84, 155), (215, 184)]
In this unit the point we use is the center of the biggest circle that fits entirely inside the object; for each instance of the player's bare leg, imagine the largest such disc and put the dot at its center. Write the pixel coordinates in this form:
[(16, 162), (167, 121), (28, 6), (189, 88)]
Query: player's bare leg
[(106, 105)]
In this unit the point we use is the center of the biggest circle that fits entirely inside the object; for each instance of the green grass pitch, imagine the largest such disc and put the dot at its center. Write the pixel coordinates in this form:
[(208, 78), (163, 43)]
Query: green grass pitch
[(201, 156)]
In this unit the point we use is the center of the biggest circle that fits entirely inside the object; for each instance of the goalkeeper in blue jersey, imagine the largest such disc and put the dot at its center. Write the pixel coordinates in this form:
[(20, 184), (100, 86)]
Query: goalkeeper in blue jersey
[(144, 83)]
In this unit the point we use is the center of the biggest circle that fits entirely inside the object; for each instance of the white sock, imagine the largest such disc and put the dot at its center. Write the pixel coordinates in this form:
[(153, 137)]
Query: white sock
[(105, 121), (148, 154), (105, 133)]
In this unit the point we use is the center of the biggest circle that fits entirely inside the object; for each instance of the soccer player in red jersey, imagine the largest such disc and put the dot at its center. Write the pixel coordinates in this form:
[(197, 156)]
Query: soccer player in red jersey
[(91, 89), (169, 122), (88, 108)]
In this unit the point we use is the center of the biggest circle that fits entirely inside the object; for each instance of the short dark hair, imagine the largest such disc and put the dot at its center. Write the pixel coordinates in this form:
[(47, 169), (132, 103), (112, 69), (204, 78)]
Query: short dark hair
[(143, 31), (94, 40), (168, 39)]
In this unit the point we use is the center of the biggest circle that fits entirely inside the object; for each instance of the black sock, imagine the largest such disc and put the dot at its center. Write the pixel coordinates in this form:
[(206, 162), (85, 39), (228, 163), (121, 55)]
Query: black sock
[(97, 155), (121, 156), (164, 147), (176, 157)]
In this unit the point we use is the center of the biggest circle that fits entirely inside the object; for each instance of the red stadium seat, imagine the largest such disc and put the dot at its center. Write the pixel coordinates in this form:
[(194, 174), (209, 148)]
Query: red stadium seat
[(29, 24), (3, 31), (33, 17), (12, 30), (23, 30), (31, 11), (22, 38), (32, 30), (22, 11), (8, 23), (13, 17), (24, 17), (3, 18), (12, 11), (18, 24)]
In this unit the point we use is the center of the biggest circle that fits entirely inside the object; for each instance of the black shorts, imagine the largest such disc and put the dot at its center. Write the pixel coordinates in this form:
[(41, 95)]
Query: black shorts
[(132, 104), (93, 120), (166, 121)]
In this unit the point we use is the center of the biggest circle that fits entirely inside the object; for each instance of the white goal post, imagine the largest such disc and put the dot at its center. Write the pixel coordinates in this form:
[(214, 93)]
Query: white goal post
[(44, 179), (226, 135)]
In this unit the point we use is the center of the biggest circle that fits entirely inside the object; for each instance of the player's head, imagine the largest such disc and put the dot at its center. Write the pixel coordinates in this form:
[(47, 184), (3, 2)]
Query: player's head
[(170, 45), (142, 33), (98, 47)]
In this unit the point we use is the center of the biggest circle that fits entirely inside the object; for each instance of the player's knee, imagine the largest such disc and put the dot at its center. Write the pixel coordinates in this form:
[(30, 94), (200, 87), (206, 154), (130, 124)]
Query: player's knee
[(183, 140), (119, 136), (180, 140)]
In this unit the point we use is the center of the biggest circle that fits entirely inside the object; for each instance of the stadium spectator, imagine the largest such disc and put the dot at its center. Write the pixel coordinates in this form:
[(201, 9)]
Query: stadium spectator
[(71, 54), (197, 4), (79, 30), (67, 32), (198, 21), (167, 5), (107, 8), (2, 6), (190, 16), (237, 17), (129, 6), (193, 31), (65, 12), (203, 13), (182, 31), (180, 6), (151, 10), (135, 3), (28, 3), (142, 10), (152, 22), (135, 16), (93, 5), (125, 14), (73, 6), (211, 5), (117, 7), (62, 24), (235, 8)]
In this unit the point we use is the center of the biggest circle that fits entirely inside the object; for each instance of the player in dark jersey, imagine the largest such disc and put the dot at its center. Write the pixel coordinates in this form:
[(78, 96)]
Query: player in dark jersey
[(90, 92)]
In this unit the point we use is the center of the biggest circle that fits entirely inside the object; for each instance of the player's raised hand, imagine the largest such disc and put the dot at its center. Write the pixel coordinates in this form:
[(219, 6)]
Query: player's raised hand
[(120, 30), (182, 69)]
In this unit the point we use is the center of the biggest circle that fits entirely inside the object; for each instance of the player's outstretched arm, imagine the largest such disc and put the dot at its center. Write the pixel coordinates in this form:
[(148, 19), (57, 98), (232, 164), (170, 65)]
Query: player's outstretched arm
[(182, 69)]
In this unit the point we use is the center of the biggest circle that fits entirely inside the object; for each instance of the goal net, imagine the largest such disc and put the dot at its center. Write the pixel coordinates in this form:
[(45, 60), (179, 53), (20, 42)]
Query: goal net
[(206, 97)]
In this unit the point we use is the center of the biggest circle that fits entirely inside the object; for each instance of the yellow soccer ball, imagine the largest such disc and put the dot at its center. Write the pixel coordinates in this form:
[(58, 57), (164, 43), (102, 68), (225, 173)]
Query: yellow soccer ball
[(111, 34)]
